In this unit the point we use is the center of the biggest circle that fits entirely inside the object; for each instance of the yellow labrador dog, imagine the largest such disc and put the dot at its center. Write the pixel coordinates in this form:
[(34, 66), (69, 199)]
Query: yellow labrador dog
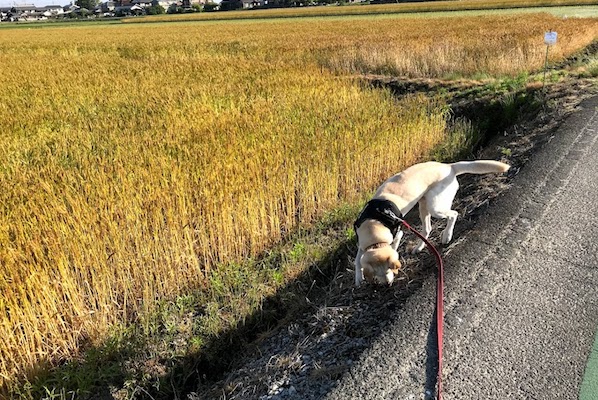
[(431, 184)]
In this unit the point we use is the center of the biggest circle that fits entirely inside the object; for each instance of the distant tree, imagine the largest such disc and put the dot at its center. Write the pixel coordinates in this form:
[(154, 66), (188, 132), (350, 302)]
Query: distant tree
[(155, 10), (88, 4), (210, 7), (228, 5), (196, 7), (174, 9), (83, 12)]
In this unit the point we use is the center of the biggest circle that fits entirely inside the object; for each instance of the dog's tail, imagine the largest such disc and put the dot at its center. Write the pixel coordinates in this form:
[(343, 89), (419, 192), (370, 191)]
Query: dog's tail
[(479, 167)]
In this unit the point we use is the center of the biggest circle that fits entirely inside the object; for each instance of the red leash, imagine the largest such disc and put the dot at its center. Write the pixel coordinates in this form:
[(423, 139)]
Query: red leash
[(439, 302)]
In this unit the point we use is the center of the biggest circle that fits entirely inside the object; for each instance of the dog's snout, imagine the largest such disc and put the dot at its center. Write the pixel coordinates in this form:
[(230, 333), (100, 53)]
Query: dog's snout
[(386, 279), (390, 277)]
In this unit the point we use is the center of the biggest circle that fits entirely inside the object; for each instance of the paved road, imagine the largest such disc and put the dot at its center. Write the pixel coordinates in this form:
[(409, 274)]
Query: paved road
[(521, 306)]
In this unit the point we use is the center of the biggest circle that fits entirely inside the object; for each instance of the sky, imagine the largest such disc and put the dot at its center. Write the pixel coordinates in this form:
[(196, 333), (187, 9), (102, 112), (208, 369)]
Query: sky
[(38, 3)]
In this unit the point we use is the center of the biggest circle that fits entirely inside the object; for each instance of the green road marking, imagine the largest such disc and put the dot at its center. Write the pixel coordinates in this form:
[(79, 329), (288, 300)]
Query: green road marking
[(589, 386)]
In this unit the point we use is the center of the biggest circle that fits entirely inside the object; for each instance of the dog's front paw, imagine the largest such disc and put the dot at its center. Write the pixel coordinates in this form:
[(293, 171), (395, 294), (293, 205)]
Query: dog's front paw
[(358, 280), (418, 248)]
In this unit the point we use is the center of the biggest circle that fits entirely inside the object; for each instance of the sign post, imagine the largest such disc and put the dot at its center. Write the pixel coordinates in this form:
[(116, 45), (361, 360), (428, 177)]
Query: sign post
[(549, 40)]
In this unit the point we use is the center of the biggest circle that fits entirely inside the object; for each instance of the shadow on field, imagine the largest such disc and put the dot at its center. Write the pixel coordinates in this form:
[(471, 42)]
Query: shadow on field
[(306, 335)]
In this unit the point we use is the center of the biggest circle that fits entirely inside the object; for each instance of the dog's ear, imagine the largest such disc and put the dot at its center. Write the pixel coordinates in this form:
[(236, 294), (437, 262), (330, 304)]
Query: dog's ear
[(394, 266)]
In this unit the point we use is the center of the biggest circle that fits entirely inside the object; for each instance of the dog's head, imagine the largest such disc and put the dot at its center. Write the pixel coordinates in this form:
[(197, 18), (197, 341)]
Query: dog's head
[(380, 265)]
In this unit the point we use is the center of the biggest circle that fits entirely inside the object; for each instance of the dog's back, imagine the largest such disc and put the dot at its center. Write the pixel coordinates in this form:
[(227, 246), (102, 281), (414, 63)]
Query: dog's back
[(407, 187)]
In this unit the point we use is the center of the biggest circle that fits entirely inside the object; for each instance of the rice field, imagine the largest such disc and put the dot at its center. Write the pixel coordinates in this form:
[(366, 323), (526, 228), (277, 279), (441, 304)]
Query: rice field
[(426, 7), (138, 159)]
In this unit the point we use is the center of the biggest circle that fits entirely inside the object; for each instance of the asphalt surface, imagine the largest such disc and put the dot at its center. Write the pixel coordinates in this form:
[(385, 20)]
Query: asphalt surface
[(521, 298)]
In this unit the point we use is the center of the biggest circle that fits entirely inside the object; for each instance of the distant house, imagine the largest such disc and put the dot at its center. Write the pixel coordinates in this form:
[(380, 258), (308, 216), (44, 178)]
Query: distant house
[(133, 9), (164, 3), (71, 8), (107, 6), (25, 8), (39, 13), (29, 12), (142, 3), (5, 10), (25, 12), (52, 10), (105, 9), (6, 15), (254, 3), (190, 3)]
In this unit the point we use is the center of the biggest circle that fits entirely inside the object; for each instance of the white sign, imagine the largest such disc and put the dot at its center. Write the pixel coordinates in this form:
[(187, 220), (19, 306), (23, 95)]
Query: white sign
[(550, 38)]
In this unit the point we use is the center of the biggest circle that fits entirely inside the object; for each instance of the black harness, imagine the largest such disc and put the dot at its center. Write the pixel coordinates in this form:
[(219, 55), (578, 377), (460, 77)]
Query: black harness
[(384, 211)]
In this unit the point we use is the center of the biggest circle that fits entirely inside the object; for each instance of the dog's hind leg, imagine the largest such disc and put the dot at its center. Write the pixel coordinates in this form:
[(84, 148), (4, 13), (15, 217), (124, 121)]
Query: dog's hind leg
[(440, 207), (426, 219), (451, 217)]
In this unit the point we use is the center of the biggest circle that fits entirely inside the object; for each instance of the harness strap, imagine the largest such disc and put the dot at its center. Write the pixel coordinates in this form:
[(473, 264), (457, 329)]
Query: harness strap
[(384, 211)]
